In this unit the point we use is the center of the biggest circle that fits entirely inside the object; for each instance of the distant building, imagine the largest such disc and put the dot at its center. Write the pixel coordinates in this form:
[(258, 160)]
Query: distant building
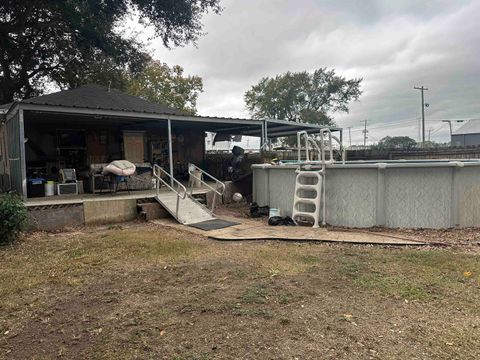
[(468, 134)]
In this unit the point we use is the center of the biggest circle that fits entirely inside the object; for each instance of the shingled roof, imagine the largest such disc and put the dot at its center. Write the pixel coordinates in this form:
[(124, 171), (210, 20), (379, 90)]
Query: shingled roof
[(100, 97)]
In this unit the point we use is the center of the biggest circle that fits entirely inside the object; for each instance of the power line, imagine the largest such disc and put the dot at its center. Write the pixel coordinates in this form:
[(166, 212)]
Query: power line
[(385, 125), (398, 124)]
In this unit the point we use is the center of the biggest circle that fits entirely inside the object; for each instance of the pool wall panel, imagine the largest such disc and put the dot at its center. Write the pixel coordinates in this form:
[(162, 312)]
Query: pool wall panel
[(418, 197), (351, 197)]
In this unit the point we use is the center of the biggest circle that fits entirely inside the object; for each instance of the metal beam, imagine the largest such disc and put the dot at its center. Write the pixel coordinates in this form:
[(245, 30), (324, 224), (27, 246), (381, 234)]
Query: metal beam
[(138, 115), (274, 134), (306, 125)]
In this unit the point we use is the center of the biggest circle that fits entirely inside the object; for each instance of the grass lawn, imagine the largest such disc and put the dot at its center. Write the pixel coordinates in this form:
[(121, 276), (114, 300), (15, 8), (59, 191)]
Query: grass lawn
[(143, 291)]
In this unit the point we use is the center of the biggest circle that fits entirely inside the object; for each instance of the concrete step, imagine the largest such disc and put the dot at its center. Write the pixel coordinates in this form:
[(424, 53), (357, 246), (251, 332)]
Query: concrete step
[(152, 210)]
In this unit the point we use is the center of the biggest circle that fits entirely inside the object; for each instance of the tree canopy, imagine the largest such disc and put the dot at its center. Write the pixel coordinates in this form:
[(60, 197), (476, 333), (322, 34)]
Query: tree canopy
[(167, 85), (63, 41), (302, 96), (397, 142)]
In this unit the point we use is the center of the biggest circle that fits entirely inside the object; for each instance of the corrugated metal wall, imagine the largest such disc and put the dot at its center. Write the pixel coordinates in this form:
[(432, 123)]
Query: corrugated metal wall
[(4, 174), (14, 153)]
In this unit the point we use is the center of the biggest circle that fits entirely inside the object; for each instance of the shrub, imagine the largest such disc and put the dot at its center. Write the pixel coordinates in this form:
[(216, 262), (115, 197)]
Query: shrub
[(13, 216)]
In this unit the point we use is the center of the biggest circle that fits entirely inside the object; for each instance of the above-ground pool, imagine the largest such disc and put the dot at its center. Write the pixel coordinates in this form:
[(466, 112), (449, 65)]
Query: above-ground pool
[(412, 194)]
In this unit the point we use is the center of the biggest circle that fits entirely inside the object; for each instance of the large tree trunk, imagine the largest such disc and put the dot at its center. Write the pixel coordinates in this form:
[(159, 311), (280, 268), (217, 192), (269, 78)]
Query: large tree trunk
[(7, 93)]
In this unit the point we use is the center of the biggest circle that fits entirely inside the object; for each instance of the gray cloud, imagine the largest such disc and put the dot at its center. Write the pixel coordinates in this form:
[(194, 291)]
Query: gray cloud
[(393, 45)]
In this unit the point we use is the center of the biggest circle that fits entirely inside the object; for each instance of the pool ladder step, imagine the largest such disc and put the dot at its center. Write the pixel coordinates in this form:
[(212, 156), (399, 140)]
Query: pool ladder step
[(308, 196)]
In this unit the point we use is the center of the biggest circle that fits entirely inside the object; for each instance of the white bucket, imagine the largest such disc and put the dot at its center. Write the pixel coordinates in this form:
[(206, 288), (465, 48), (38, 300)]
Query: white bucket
[(49, 188), (196, 179), (273, 212)]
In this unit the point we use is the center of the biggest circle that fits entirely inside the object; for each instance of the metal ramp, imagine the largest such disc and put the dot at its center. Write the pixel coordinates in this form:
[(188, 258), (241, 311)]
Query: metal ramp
[(189, 210), (179, 202)]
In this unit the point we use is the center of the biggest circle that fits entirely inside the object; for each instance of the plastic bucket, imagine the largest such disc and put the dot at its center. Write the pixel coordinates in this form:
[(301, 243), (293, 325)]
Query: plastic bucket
[(196, 179), (50, 188), (274, 212)]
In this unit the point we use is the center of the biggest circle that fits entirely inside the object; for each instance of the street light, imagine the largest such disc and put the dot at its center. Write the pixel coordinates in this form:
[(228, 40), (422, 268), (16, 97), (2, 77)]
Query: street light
[(450, 125)]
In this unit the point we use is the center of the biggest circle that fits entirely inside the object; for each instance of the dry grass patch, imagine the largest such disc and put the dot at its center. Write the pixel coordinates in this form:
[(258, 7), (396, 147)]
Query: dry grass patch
[(151, 292)]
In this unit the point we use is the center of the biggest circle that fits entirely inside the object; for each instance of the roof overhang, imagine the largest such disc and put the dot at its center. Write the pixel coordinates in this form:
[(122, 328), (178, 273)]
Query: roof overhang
[(233, 126)]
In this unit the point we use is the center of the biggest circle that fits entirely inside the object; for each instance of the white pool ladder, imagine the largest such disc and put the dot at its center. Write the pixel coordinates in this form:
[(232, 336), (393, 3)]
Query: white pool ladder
[(309, 198), (307, 202)]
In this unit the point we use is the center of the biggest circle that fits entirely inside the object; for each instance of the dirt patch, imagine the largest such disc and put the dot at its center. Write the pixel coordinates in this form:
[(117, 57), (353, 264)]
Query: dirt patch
[(151, 292)]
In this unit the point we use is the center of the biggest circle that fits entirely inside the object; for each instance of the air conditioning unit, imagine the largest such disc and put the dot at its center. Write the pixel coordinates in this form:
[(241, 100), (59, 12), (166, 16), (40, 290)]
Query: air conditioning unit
[(67, 189)]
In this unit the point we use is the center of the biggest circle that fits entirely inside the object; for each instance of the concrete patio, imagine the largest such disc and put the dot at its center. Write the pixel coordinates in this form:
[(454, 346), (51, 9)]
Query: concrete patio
[(253, 229)]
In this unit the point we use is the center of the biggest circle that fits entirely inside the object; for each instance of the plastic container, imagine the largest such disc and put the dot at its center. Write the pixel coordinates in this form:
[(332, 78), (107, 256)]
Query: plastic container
[(274, 212), (35, 187), (49, 188), (196, 179)]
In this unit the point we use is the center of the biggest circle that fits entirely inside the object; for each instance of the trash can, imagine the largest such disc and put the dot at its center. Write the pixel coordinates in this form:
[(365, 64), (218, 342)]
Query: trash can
[(35, 187)]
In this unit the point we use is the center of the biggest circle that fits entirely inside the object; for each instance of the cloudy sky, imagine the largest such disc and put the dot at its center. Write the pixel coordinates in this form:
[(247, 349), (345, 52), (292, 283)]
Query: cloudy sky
[(392, 45)]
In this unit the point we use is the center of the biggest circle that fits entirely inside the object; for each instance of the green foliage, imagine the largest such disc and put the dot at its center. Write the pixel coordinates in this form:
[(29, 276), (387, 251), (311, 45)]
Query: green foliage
[(396, 142), (45, 40), (13, 215), (302, 96), (167, 85)]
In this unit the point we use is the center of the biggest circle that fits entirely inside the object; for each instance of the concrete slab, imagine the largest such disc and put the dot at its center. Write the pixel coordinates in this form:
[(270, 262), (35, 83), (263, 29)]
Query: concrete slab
[(111, 211), (257, 230), (55, 217)]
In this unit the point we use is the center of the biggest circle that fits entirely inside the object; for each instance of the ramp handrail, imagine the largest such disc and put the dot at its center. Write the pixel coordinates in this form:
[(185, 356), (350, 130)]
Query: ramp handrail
[(180, 195), (219, 188)]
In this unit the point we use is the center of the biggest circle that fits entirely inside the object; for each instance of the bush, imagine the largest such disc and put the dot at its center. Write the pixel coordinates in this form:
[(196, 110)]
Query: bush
[(13, 216)]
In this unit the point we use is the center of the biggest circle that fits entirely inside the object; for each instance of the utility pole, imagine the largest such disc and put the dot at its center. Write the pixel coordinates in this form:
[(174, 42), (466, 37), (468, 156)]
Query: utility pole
[(429, 132), (350, 135), (422, 90), (365, 132)]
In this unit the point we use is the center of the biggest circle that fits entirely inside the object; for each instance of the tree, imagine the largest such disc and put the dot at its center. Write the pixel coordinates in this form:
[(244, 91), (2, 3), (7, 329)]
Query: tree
[(167, 85), (396, 142), (45, 40), (302, 96)]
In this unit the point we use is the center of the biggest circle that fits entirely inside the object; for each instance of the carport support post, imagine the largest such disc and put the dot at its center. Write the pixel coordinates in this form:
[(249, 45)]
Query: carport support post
[(266, 135), (170, 152), (23, 159), (262, 139)]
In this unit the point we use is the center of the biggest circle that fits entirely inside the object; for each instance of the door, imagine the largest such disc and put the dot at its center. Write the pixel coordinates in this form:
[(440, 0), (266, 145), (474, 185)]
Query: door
[(134, 146)]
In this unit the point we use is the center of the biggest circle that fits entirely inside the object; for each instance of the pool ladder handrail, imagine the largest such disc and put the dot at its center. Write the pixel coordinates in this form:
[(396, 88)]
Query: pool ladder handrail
[(325, 141)]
